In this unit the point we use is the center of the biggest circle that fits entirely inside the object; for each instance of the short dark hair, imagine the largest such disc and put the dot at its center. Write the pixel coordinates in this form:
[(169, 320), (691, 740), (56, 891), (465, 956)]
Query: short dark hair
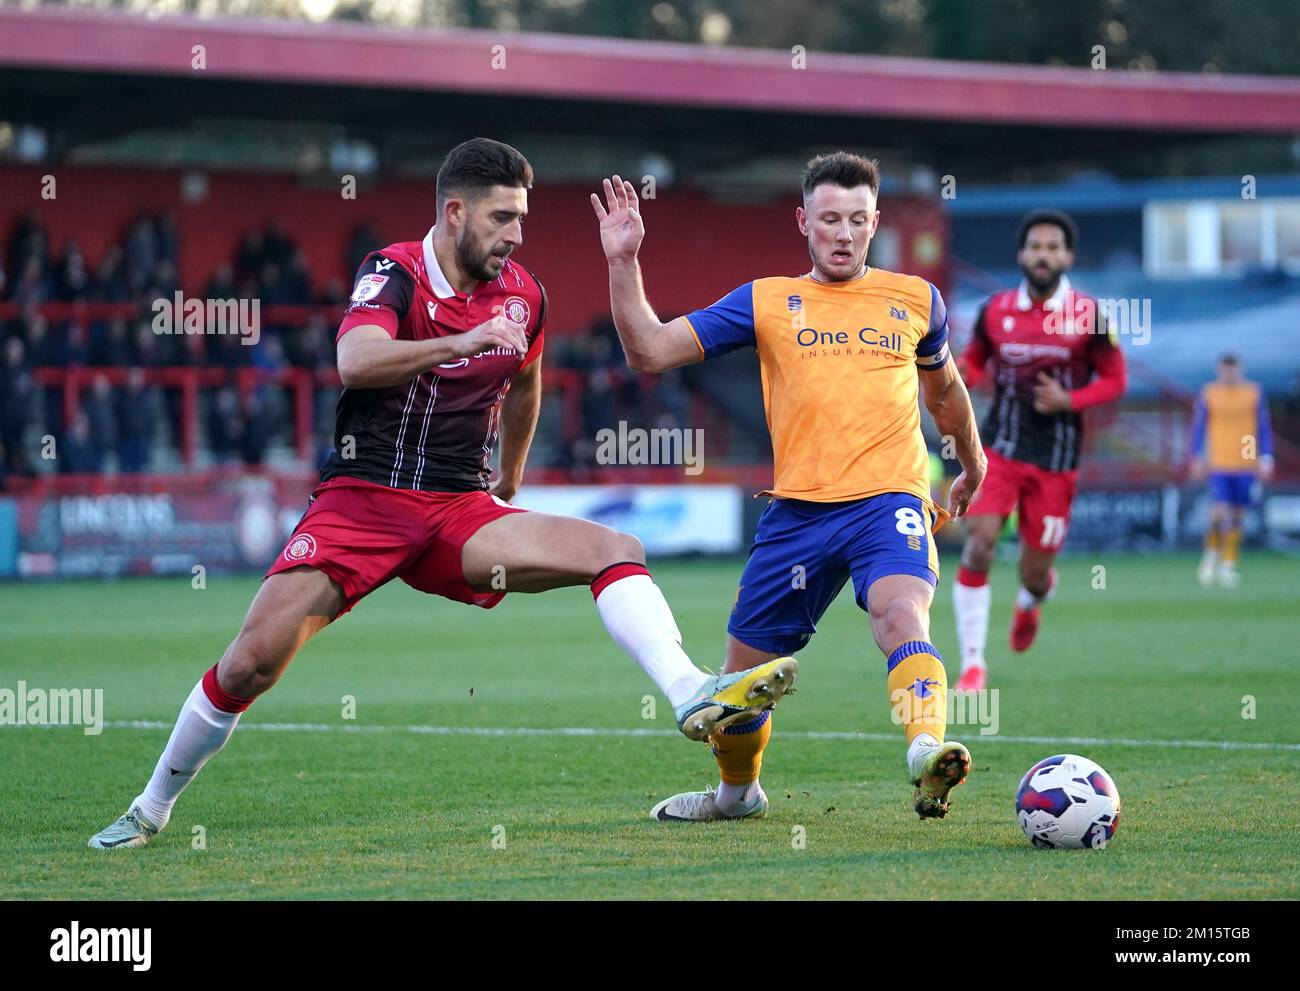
[(1057, 217), (1229, 359), (843, 169), (476, 165)]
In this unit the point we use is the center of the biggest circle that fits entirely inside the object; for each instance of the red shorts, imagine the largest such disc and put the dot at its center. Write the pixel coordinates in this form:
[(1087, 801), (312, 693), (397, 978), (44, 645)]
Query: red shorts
[(1043, 498), (362, 535)]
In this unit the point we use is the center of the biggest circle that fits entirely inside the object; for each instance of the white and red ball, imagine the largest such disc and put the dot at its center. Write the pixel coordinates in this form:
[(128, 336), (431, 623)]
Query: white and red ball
[(1068, 802)]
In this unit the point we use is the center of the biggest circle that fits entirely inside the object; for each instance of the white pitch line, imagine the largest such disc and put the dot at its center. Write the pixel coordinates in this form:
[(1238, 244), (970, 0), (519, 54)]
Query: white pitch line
[(1089, 741)]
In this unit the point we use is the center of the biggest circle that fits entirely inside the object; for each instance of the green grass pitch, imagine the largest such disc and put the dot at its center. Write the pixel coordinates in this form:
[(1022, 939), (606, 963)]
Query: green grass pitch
[(318, 806)]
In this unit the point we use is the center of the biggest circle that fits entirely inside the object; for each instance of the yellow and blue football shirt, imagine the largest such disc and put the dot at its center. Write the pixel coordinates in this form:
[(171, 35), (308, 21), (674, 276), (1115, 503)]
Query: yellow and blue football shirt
[(840, 385), (1230, 428)]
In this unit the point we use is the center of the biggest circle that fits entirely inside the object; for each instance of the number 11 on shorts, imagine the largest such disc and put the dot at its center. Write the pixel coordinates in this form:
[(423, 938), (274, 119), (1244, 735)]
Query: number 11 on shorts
[(1053, 531)]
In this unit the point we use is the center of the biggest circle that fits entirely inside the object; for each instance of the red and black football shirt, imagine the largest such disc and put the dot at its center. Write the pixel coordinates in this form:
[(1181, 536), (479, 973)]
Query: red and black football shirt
[(437, 431)]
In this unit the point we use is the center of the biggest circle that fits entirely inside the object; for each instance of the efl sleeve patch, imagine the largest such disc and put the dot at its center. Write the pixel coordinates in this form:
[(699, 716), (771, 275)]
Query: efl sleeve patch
[(368, 287), (381, 295)]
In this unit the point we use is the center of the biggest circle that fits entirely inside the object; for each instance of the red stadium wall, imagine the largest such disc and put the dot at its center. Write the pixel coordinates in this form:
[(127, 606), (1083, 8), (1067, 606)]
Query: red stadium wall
[(696, 248)]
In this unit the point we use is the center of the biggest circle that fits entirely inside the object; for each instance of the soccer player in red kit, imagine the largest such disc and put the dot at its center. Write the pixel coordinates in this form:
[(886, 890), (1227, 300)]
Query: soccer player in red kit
[(438, 353), (1050, 357)]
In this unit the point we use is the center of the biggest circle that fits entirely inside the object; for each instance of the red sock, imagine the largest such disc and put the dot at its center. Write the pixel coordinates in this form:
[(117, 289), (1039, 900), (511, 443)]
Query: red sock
[(616, 572), (219, 697)]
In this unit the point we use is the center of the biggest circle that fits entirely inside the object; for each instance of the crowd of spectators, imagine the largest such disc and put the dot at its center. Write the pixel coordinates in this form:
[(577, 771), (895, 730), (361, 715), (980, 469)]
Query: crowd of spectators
[(122, 422), (608, 392), (117, 426)]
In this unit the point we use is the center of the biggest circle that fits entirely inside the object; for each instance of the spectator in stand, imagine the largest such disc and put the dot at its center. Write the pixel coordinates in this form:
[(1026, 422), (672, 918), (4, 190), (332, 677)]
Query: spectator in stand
[(76, 452), (45, 350), (364, 240), (72, 281), (312, 347), (112, 346), (666, 401), (165, 281), (141, 255), (137, 413), (256, 432), (277, 246), (268, 354), (28, 241), (248, 256), (226, 351), (59, 347), (189, 349), (222, 426), (225, 425), (270, 286), (100, 408), (149, 349), (75, 338), (297, 280), (17, 394), (169, 239), (42, 349), (334, 293), (33, 283), (598, 401), (222, 283), (111, 284)]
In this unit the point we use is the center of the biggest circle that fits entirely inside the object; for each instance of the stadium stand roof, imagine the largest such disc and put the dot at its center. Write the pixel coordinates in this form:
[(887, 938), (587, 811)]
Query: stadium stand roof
[(94, 75), (548, 65)]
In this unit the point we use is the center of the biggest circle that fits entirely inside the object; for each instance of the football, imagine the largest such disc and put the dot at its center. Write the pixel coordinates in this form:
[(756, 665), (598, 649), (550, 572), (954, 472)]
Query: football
[(1068, 802)]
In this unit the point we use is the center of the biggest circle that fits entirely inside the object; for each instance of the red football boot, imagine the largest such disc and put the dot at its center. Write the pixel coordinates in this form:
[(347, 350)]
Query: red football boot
[(1024, 625), (971, 680)]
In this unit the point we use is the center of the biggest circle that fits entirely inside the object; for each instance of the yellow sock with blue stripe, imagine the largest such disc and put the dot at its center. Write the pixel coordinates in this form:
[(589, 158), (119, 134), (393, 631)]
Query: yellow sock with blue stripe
[(739, 748), (1231, 545), (918, 689)]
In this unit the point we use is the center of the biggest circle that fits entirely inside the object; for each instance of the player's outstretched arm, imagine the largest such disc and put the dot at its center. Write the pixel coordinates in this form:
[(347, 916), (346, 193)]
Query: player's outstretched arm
[(949, 403), (650, 345), (369, 357), (519, 412)]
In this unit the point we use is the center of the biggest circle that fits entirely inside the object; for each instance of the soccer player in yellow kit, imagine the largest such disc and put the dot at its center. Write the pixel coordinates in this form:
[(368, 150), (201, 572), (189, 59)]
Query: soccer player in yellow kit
[(842, 350), (1232, 444)]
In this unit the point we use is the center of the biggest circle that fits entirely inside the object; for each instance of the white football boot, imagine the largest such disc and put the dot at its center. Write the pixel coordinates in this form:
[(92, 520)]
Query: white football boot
[(702, 806), (132, 829), (1205, 573)]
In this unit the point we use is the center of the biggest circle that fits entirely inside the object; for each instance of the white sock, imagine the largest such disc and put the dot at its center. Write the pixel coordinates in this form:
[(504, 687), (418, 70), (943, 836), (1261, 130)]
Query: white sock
[(637, 617), (201, 730), (1026, 599), (734, 798), (971, 603), (923, 741)]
